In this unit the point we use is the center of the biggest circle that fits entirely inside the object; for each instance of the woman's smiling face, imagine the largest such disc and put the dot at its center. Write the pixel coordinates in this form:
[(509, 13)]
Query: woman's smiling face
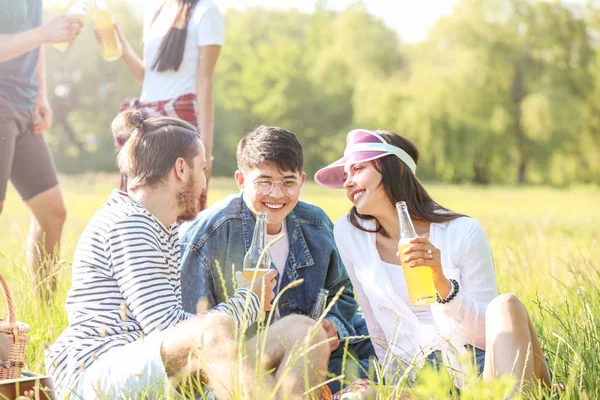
[(363, 187)]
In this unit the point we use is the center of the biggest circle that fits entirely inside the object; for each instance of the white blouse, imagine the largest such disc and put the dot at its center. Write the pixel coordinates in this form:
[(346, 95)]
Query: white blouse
[(206, 27), (399, 337), (398, 280)]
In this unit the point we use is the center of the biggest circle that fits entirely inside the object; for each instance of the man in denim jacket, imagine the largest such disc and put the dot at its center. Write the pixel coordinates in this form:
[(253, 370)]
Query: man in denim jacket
[(270, 177)]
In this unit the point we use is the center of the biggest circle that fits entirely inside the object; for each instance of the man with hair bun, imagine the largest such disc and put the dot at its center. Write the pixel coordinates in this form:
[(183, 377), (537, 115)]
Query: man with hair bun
[(128, 335)]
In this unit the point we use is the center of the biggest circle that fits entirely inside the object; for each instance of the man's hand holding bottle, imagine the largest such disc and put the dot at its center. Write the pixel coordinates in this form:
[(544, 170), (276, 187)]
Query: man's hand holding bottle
[(64, 28), (263, 287)]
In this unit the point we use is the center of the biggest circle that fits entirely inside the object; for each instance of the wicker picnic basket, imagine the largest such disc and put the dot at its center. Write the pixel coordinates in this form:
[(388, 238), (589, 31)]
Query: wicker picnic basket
[(17, 335)]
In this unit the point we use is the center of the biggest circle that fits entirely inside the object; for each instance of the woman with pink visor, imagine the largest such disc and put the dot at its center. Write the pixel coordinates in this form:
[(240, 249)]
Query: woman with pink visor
[(469, 316)]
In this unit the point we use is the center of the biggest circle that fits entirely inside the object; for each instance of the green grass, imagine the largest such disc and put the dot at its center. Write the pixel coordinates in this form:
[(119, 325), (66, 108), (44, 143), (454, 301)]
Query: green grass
[(545, 245)]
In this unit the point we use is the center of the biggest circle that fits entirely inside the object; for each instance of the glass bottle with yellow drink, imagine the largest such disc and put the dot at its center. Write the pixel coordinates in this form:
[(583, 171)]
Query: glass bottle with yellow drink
[(257, 262), (106, 33), (419, 280), (78, 9)]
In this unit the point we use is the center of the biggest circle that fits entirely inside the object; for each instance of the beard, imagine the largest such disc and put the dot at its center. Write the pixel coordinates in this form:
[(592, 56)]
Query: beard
[(187, 201)]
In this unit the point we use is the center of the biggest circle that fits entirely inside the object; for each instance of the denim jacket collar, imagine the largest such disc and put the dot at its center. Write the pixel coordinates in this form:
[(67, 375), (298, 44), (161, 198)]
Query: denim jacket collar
[(299, 255)]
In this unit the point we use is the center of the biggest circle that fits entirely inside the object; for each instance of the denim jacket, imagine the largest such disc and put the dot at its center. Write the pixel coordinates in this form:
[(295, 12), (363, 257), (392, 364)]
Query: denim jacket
[(213, 248)]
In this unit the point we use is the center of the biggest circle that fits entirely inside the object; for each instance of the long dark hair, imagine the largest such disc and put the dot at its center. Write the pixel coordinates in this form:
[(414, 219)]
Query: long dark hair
[(170, 52), (400, 184)]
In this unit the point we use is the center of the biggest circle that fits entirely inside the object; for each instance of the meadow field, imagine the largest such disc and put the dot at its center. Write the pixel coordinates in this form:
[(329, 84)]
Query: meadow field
[(545, 243)]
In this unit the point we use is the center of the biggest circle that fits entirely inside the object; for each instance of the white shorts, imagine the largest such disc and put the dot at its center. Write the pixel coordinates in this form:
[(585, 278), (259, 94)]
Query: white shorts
[(133, 371)]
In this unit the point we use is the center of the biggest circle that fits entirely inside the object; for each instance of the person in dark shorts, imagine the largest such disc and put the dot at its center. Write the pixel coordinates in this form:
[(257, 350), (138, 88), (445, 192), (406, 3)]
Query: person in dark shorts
[(25, 115)]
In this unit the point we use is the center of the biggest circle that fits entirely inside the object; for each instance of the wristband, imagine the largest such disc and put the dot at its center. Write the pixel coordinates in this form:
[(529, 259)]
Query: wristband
[(452, 294)]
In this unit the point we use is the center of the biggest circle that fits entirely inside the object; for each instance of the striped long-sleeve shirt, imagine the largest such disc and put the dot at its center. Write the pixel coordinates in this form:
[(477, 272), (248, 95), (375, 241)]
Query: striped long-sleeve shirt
[(126, 284)]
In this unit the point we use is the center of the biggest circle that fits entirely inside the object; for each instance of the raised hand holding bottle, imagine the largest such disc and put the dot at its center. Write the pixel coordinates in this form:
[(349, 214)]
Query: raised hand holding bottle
[(419, 280), (106, 33), (79, 10), (257, 261)]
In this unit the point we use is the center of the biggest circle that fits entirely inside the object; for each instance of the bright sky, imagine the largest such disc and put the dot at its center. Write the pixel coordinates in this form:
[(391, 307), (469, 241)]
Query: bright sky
[(410, 18)]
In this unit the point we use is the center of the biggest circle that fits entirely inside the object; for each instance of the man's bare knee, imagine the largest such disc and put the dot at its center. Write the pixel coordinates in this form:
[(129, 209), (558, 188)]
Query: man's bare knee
[(54, 217), (210, 330), (205, 339), (220, 319), (218, 329), (295, 328), (295, 323), (302, 331), (60, 214), (48, 209)]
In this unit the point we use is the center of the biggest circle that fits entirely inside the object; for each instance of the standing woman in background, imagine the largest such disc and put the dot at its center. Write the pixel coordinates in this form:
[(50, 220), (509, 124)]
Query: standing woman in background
[(182, 41)]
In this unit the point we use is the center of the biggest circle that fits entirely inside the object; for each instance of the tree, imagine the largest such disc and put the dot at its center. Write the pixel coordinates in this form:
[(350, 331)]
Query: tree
[(85, 92), (500, 83), (502, 91)]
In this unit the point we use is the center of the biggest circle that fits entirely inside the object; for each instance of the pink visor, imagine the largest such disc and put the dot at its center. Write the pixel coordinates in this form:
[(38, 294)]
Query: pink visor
[(361, 145)]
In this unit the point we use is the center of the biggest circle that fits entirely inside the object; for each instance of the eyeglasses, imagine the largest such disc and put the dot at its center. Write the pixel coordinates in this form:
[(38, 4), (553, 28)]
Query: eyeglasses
[(289, 186)]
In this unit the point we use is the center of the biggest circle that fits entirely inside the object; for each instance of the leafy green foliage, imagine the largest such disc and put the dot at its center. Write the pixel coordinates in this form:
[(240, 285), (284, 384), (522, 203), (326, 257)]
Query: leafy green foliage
[(501, 91)]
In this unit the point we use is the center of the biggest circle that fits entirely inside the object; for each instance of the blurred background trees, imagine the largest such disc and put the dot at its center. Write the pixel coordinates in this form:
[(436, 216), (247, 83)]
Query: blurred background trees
[(501, 91)]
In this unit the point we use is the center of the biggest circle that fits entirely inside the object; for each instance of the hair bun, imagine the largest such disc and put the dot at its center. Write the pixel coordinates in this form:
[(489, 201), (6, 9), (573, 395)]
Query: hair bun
[(135, 119), (126, 124)]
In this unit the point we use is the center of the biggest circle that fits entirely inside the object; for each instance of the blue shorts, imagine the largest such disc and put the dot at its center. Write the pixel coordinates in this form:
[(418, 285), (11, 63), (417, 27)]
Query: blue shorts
[(478, 356)]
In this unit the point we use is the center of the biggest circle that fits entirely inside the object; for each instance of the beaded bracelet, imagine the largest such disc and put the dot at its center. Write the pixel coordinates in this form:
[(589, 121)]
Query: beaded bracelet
[(452, 295)]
